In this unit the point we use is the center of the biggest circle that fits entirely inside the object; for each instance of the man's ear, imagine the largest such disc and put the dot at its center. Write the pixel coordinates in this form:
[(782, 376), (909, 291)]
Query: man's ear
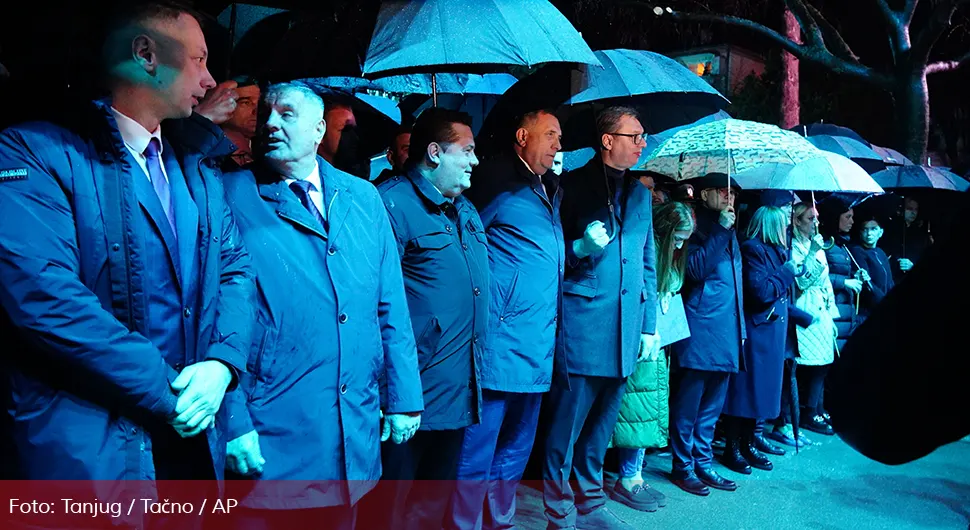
[(144, 51), (607, 141), (434, 153), (521, 135), (321, 130)]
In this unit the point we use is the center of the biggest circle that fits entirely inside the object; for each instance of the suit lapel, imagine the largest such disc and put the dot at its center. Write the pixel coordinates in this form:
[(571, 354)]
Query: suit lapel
[(149, 202), (186, 212), (273, 189), (336, 198)]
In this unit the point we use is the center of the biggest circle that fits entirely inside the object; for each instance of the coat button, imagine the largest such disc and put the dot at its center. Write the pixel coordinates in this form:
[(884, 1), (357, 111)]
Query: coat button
[(186, 312), (116, 247), (178, 367), (464, 246), (343, 318), (624, 291), (215, 238), (343, 389), (448, 228), (332, 250), (625, 260), (477, 291)]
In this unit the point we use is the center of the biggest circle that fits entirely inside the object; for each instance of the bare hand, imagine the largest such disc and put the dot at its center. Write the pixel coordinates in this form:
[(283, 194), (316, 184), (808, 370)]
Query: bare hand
[(219, 103), (853, 285), (594, 239), (905, 265), (200, 388), (243, 455), (400, 428), (792, 266), (727, 217), (649, 347), (863, 275)]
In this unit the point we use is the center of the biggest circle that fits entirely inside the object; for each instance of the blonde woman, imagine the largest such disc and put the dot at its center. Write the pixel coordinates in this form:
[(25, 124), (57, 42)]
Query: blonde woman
[(642, 423), (816, 343)]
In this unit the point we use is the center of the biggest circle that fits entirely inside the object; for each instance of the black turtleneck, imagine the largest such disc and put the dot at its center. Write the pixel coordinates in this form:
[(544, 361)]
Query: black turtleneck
[(616, 182)]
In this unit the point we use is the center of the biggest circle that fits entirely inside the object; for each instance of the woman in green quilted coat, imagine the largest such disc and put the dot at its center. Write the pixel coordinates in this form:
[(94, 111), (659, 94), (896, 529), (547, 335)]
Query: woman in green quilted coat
[(642, 422)]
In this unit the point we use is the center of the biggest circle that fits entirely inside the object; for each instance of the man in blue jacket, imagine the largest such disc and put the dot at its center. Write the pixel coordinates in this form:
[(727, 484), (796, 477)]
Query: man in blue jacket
[(124, 284), (519, 199), (332, 319), (609, 321), (441, 242), (704, 361)]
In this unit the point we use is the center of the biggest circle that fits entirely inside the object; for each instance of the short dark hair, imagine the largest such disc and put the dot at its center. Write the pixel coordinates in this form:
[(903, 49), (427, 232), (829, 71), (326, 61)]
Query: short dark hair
[(435, 125), (609, 118), (528, 119), (123, 15), (245, 80)]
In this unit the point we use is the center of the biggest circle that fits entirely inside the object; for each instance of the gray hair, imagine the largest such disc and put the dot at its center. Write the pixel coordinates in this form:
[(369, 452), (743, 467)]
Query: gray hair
[(307, 92), (609, 118)]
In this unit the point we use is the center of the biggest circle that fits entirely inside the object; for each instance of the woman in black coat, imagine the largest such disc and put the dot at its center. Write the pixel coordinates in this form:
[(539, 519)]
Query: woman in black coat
[(835, 224), (755, 393), (877, 271)]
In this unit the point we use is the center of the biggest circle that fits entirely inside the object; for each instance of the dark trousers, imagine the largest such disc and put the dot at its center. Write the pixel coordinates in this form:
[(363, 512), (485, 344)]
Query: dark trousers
[(177, 460), (811, 382), (696, 399), (494, 455), (398, 502), (581, 422), (331, 518)]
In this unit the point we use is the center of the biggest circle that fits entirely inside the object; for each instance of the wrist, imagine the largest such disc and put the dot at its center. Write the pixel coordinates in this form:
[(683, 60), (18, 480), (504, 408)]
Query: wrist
[(579, 249)]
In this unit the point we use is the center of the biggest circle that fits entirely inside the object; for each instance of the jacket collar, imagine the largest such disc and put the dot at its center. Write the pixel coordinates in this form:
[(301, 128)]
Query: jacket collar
[(426, 189)]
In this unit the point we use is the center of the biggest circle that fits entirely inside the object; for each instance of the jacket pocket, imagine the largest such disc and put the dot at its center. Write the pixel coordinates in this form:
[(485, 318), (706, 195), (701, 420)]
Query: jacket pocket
[(427, 343), (584, 286), (433, 241), (260, 360), (510, 296), (765, 317)]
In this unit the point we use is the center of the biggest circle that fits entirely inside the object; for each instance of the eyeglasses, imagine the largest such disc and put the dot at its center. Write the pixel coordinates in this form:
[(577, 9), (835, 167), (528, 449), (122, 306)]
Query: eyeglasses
[(637, 138)]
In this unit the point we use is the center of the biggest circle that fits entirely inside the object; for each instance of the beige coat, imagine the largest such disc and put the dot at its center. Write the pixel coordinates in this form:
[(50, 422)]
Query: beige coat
[(816, 343)]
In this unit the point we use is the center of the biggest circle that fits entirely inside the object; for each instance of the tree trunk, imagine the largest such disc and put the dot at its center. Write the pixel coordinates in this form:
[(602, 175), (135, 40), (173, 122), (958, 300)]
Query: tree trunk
[(790, 103), (913, 112)]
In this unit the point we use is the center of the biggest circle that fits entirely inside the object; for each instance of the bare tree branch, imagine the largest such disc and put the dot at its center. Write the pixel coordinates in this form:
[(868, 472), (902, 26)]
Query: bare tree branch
[(907, 15), (939, 21), (817, 54), (947, 66), (833, 37), (806, 21), (887, 12)]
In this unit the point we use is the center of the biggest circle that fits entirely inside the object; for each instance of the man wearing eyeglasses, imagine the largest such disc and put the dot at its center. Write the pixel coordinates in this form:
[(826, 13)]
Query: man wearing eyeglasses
[(609, 322)]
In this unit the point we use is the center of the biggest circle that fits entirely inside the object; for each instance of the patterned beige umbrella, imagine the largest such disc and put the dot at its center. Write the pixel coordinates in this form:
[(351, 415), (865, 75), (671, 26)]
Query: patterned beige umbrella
[(727, 146)]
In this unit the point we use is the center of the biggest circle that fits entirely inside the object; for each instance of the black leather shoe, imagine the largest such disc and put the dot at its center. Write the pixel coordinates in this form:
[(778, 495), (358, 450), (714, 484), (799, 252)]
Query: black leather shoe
[(763, 445), (691, 484), (817, 424), (733, 459), (755, 458), (714, 480)]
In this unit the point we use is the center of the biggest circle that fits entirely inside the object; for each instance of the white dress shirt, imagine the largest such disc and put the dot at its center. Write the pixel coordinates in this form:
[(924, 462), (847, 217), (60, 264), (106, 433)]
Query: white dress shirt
[(316, 193), (136, 139)]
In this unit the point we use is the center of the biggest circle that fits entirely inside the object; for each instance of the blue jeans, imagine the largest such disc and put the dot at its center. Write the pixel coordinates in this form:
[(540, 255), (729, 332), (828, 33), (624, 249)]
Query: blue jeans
[(631, 462)]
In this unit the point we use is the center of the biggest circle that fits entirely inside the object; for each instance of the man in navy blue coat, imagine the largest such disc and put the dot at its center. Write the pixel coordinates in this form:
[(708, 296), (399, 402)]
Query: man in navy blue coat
[(518, 197), (609, 320), (124, 284), (332, 320), (703, 363)]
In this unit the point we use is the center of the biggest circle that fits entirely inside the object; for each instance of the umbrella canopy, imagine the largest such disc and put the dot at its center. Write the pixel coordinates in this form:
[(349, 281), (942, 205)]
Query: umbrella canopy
[(665, 93), (891, 157), (376, 120), (845, 146), (471, 36), (828, 129), (727, 146), (462, 84), (920, 177), (829, 172)]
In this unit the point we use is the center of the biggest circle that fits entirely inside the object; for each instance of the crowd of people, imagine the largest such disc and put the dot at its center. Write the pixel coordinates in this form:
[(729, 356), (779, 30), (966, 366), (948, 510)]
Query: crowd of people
[(201, 287)]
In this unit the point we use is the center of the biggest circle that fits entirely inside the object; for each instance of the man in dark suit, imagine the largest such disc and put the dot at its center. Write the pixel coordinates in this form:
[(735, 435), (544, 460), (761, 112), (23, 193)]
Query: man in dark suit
[(333, 319), (518, 197), (123, 280), (609, 321)]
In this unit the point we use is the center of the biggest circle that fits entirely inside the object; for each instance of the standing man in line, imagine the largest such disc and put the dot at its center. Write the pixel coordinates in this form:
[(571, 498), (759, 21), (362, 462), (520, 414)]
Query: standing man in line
[(518, 198), (123, 280), (609, 320), (441, 242), (333, 319)]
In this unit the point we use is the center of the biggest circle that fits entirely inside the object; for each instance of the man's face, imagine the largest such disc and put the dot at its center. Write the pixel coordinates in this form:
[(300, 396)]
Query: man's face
[(293, 129), (243, 119), (626, 143), (718, 198), (182, 76), (870, 233), (338, 119), (910, 210), (455, 163), (557, 163), (397, 155), (541, 142)]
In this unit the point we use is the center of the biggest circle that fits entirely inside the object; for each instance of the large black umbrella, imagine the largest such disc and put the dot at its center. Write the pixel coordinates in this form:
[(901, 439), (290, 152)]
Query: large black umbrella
[(829, 129)]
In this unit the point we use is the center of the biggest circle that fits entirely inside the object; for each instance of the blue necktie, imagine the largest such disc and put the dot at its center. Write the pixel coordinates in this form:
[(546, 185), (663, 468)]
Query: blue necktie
[(162, 188), (302, 190)]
